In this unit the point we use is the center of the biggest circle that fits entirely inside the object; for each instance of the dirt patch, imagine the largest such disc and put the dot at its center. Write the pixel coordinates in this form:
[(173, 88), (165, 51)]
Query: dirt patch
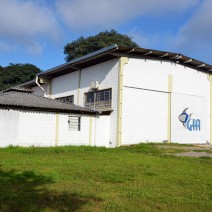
[(194, 154), (188, 150), (192, 147)]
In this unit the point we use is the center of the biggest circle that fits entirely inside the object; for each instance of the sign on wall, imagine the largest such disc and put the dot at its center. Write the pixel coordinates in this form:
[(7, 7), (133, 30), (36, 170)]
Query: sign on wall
[(188, 115), (188, 122)]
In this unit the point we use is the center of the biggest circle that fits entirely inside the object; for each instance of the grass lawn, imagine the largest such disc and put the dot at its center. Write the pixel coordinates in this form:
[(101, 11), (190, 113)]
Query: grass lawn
[(137, 178)]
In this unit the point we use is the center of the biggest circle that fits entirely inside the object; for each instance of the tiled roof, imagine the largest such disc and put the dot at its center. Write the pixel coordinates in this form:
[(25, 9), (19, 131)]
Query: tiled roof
[(23, 98), (21, 89)]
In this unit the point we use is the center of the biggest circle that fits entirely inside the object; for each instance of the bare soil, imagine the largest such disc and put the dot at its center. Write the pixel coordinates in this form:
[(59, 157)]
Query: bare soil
[(191, 150)]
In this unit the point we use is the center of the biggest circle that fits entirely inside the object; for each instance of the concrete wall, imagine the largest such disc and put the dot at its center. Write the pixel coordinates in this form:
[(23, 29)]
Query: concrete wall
[(70, 137), (9, 125), (145, 102), (144, 116), (66, 85), (79, 83), (36, 128), (28, 128), (24, 128), (37, 90), (107, 75), (101, 131)]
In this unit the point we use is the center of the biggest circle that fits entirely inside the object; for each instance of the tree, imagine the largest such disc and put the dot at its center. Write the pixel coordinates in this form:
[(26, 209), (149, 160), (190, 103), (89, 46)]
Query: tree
[(15, 74), (83, 46)]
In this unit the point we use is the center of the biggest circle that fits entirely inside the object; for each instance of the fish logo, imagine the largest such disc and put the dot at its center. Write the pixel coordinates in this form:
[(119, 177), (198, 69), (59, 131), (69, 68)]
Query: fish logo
[(184, 117), (188, 122)]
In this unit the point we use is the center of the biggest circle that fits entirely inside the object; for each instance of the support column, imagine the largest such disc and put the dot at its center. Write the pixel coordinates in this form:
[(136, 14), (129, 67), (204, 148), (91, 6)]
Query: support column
[(57, 130), (90, 130), (50, 89), (210, 79), (78, 91), (122, 62), (170, 87)]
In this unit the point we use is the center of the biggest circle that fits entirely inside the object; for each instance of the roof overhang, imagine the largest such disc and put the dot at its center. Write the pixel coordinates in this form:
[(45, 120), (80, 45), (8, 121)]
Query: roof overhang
[(88, 60), (115, 51)]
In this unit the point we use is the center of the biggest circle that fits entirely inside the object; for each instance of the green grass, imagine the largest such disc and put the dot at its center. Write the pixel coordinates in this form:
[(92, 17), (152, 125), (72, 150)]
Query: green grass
[(136, 178), (207, 151)]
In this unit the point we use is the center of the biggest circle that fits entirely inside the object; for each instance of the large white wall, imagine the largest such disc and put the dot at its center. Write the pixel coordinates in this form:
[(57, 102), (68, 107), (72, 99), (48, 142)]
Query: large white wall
[(70, 137), (145, 100), (144, 116), (28, 128), (151, 77), (38, 91), (101, 131), (9, 124), (107, 74), (36, 128), (65, 85)]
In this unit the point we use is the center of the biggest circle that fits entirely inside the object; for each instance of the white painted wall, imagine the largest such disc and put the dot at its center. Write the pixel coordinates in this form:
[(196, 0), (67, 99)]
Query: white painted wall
[(24, 128), (101, 126), (37, 90), (65, 85), (27, 128), (9, 125), (196, 108), (99, 130), (107, 74), (145, 89), (70, 137), (36, 128), (144, 116), (141, 75)]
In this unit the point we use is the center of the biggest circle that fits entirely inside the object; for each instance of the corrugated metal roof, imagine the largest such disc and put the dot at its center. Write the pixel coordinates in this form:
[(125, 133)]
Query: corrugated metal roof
[(24, 99), (115, 51)]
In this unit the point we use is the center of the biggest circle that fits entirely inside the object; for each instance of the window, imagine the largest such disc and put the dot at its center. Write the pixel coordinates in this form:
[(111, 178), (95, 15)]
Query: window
[(98, 99), (66, 99), (74, 123)]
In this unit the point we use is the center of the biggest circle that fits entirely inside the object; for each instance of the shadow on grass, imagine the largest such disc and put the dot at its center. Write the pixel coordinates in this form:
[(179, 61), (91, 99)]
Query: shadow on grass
[(27, 191)]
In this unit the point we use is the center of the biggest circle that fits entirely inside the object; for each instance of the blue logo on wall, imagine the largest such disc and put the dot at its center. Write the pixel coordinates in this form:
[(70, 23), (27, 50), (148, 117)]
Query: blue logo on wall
[(188, 122)]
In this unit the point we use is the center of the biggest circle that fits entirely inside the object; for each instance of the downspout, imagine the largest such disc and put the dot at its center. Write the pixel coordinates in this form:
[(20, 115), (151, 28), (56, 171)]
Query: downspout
[(36, 81)]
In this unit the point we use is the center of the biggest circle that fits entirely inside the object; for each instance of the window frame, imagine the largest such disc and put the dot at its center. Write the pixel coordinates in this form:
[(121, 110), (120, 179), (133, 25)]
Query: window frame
[(63, 99), (99, 98), (76, 124)]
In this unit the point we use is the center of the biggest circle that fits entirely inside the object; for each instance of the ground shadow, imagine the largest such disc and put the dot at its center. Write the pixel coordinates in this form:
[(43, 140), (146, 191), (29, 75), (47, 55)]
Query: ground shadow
[(27, 191)]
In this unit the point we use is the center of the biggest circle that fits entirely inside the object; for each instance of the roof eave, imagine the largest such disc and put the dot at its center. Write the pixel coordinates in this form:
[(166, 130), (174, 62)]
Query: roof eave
[(78, 61), (115, 51), (48, 110)]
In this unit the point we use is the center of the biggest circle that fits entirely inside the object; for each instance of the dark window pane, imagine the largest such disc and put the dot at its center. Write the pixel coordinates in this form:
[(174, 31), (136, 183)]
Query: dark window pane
[(67, 99), (98, 99)]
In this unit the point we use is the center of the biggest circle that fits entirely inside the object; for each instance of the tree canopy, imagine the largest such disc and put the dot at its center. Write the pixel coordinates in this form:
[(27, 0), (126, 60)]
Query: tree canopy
[(15, 74), (83, 46)]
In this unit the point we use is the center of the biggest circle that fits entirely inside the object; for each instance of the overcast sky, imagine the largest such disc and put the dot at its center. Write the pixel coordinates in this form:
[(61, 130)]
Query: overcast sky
[(35, 31)]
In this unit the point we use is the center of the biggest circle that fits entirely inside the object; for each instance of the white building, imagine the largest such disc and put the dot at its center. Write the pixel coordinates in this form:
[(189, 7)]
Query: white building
[(30, 120), (144, 95)]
